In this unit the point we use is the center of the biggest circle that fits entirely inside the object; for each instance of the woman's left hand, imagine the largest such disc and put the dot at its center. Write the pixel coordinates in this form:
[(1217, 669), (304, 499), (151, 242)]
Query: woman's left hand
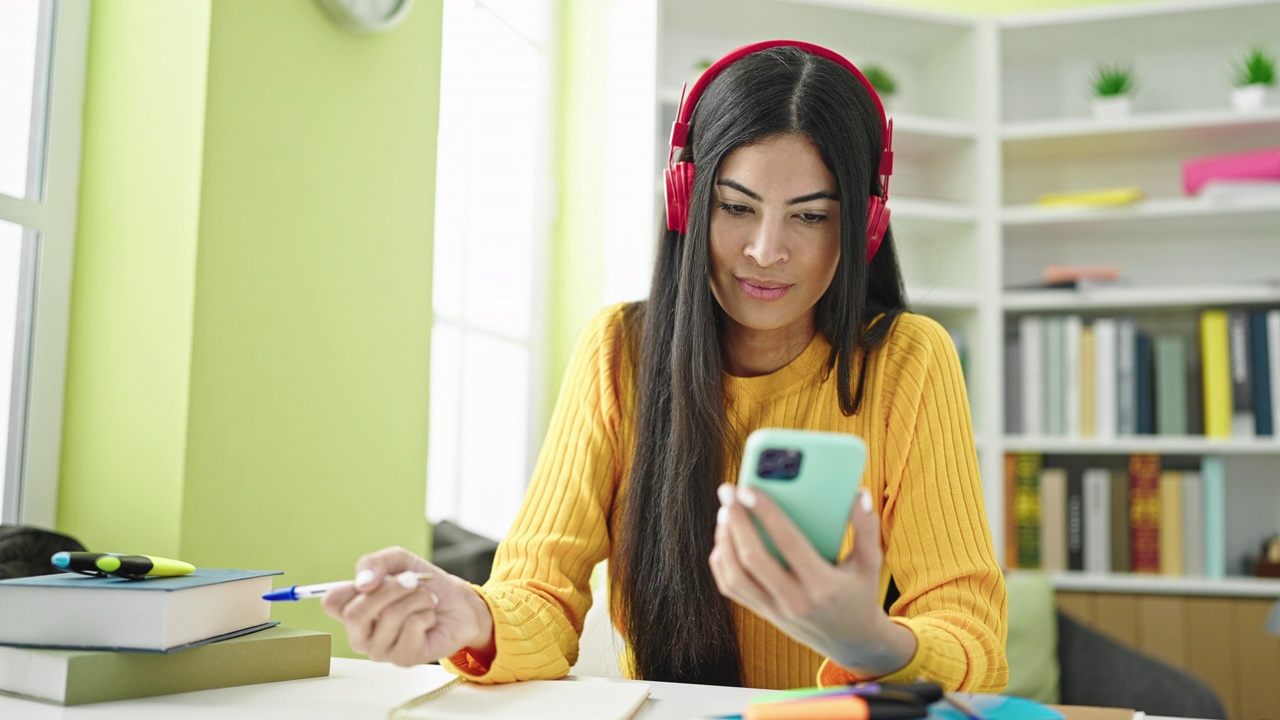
[(834, 609)]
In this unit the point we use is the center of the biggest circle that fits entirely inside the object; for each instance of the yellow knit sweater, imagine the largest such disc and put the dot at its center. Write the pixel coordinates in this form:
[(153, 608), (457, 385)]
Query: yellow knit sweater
[(921, 470)]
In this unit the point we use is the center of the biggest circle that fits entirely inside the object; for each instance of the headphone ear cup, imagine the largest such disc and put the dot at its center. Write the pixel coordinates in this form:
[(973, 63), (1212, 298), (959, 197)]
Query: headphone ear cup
[(877, 224), (679, 185)]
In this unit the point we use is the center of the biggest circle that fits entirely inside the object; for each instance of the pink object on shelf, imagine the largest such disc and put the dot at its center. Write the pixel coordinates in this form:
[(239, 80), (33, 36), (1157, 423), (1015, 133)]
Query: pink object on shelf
[(1253, 165)]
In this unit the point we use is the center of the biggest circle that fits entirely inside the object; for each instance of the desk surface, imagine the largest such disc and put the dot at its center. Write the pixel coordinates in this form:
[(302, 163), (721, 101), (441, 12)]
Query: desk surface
[(354, 689)]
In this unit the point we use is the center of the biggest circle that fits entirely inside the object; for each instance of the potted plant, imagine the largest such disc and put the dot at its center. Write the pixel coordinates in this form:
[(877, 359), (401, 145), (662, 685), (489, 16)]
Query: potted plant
[(1113, 88), (1255, 76), (883, 83)]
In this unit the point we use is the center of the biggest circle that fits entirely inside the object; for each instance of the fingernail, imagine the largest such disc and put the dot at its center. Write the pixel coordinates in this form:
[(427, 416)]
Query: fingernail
[(725, 492), (723, 515), (865, 500), (364, 577), (407, 580), (747, 496)]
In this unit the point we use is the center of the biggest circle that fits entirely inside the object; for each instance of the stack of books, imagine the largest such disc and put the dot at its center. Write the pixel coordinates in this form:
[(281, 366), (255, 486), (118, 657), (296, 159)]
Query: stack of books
[(74, 639)]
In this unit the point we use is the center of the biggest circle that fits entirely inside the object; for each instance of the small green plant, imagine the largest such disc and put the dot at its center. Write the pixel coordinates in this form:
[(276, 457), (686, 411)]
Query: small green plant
[(1113, 80), (1257, 68), (880, 79)]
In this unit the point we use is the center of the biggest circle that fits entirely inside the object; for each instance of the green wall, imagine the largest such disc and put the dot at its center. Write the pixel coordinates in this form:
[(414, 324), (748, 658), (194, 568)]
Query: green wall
[(247, 382)]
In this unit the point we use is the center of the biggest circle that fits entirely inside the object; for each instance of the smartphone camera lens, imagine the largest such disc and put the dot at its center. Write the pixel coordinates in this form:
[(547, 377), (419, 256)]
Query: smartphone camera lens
[(779, 464)]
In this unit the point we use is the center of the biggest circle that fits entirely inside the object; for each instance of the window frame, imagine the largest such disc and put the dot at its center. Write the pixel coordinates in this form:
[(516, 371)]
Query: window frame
[(33, 458)]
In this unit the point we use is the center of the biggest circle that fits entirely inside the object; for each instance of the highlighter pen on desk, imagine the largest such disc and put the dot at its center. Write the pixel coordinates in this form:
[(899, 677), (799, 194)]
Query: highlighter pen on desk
[(134, 567), (304, 592), (835, 707)]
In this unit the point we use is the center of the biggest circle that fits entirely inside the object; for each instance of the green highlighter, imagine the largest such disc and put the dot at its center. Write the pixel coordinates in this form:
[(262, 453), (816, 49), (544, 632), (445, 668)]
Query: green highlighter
[(133, 567)]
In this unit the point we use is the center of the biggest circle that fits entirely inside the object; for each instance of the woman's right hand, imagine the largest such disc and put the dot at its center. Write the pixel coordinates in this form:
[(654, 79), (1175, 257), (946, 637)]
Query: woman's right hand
[(421, 623)]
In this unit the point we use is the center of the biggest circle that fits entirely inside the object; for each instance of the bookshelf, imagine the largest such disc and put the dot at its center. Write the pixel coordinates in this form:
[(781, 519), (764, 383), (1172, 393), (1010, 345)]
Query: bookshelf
[(991, 113)]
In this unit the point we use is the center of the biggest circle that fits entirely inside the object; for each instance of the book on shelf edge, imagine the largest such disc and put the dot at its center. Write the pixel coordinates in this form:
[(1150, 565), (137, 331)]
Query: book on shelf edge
[(161, 614), (1027, 507), (1010, 510), (1192, 523), (1260, 371), (1053, 519), (1171, 385), (1144, 513), (1075, 519), (77, 677), (1213, 475), (1121, 559), (1171, 529), (1216, 373), (1097, 520), (1242, 410)]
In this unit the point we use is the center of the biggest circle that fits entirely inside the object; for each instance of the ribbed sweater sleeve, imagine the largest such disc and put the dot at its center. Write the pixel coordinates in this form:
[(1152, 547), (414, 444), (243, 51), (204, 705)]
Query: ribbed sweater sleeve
[(538, 591), (933, 521)]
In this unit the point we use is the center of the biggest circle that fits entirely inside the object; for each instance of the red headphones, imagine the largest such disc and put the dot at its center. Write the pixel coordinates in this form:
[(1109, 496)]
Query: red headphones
[(679, 175)]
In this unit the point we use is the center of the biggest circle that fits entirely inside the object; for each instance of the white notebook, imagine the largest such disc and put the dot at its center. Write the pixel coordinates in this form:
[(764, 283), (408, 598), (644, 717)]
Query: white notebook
[(593, 699)]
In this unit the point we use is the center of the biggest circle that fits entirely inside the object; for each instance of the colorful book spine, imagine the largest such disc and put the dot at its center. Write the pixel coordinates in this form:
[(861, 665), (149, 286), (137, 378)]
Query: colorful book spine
[(1144, 513), (1273, 355), (1010, 511), (1013, 386), (1072, 326), (1053, 519), (1055, 405), (1088, 384), (1075, 520), (1126, 381), (1097, 520), (1241, 378), (1104, 376), (1170, 538), (1215, 521), (1031, 341), (1216, 373), (1192, 523), (1144, 384), (1171, 385), (1121, 558), (1028, 509), (1260, 371)]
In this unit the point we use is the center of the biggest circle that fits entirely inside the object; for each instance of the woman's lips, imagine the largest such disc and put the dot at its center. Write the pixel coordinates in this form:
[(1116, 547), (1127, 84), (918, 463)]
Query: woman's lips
[(763, 290)]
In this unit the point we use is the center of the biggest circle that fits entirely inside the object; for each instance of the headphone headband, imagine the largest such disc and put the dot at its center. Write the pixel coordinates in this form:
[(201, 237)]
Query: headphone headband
[(678, 177), (680, 128)]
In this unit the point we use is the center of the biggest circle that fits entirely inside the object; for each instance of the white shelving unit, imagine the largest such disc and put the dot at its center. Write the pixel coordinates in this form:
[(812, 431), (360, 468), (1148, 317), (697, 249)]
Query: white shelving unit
[(991, 114)]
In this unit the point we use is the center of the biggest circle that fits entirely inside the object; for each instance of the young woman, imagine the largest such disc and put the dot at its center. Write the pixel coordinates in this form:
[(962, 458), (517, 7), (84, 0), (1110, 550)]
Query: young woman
[(776, 302)]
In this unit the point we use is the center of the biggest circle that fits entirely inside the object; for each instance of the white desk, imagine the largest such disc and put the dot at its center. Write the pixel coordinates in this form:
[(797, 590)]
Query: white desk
[(354, 690)]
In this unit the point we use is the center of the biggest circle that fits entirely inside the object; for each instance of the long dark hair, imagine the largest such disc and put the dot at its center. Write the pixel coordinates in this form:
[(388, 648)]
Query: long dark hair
[(680, 628)]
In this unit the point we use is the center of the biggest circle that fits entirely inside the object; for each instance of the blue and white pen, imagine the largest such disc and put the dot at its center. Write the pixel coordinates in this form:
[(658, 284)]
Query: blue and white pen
[(304, 592)]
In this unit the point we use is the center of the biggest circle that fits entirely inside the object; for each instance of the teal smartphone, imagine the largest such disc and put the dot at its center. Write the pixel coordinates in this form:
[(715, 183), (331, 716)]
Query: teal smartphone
[(813, 476)]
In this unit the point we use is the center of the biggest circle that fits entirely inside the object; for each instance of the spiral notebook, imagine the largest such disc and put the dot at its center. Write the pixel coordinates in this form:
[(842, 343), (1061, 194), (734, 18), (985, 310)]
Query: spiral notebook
[(581, 699)]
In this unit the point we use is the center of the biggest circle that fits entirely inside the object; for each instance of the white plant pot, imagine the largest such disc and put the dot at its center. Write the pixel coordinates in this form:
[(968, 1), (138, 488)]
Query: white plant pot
[(1250, 98), (1112, 107)]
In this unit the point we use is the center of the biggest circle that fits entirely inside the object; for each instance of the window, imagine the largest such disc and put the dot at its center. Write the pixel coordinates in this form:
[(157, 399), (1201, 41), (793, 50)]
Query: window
[(42, 68), (492, 221)]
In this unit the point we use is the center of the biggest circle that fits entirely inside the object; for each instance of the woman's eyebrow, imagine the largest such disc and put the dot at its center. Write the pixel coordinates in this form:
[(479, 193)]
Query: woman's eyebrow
[(819, 195)]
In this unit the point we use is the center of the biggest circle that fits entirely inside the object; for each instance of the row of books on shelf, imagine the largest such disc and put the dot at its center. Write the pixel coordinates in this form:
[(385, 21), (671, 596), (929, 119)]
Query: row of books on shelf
[(1141, 519), (1111, 377), (73, 639)]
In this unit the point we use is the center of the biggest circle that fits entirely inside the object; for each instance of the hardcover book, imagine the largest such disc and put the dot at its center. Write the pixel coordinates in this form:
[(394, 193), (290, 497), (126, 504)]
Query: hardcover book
[(1242, 415), (76, 677), (1028, 509), (1144, 513), (1216, 373), (160, 614)]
